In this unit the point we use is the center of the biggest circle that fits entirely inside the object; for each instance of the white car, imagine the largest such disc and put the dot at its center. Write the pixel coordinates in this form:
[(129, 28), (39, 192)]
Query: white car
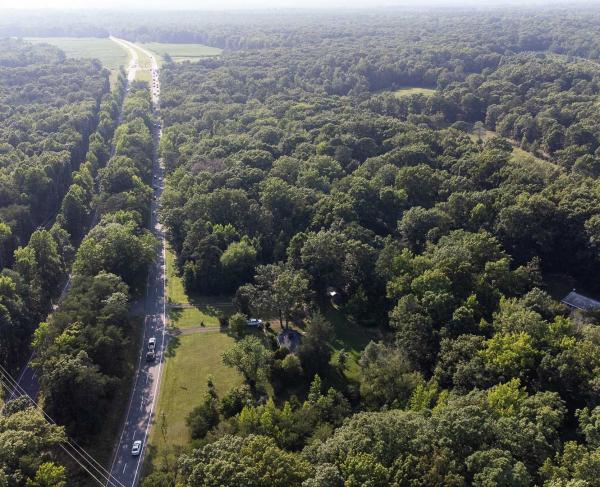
[(254, 322), (136, 448), (152, 344)]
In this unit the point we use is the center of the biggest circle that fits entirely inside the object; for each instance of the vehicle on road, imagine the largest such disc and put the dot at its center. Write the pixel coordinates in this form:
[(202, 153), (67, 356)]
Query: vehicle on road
[(152, 344), (150, 356), (136, 448), (254, 322)]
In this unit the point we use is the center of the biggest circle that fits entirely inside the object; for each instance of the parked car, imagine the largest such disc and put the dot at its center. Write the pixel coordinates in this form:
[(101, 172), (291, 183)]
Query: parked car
[(152, 344), (256, 322), (136, 448), (150, 356)]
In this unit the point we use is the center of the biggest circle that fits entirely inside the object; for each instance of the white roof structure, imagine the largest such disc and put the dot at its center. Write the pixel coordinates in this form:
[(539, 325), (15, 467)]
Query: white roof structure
[(578, 301)]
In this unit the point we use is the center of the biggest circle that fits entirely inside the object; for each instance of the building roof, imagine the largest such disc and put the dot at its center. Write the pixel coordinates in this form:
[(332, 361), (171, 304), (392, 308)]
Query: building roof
[(578, 301), (289, 339)]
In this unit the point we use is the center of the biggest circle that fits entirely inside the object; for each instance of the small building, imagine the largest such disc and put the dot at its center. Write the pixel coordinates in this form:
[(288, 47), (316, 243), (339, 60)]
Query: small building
[(335, 295), (579, 301), (289, 339)]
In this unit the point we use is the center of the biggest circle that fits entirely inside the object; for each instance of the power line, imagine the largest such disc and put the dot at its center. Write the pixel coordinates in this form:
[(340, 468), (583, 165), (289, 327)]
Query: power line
[(91, 461), (62, 446), (77, 448)]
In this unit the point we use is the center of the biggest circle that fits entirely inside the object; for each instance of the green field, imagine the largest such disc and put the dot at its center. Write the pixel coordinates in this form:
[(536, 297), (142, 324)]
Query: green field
[(198, 316), (407, 91), (190, 359), (109, 53), (192, 355), (182, 52), (196, 311)]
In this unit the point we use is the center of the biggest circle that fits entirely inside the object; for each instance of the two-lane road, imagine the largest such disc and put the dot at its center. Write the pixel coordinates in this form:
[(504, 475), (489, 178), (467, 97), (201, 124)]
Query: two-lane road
[(125, 467)]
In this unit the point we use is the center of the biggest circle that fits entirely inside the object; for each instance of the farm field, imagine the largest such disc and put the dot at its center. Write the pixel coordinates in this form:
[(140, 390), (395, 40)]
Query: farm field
[(182, 52), (109, 53)]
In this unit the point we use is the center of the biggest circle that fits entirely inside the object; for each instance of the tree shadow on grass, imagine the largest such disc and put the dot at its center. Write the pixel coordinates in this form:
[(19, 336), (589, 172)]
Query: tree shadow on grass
[(172, 346), (175, 314)]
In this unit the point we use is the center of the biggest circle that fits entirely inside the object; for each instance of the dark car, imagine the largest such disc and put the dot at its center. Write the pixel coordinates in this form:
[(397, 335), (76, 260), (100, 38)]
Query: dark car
[(150, 356)]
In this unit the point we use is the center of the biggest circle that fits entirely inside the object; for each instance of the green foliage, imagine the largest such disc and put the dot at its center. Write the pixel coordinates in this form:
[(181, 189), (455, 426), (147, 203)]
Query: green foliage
[(387, 379), (238, 324), (206, 415), (255, 460), (49, 475), (250, 357), (27, 454)]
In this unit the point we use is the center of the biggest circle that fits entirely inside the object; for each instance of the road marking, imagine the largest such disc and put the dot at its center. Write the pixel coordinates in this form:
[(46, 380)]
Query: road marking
[(137, 372), (124, 468)]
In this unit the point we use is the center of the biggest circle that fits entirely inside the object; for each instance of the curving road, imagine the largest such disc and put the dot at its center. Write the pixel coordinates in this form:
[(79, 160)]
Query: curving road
[(133, 57), (125, 467)]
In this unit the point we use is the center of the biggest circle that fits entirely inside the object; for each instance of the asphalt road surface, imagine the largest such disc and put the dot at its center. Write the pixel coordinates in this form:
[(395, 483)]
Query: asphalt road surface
[(125, 467)]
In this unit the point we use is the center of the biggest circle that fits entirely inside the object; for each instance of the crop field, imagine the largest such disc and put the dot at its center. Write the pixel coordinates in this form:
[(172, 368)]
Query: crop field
[(110, 54), (182, 52)]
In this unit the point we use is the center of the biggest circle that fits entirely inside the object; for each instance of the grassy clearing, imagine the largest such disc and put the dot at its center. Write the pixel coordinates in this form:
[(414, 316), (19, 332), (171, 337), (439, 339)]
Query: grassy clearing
[(182, 318), (199, 310), (190, 359), (352, 338), (109, 53), (413, 90), (521, 157), (182, 52)]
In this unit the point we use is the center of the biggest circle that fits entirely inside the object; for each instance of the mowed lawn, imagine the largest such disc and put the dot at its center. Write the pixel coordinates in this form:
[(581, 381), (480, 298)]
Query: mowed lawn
[(196, 311), (182, 52), (352, 338), (190, 359), (109, 53)]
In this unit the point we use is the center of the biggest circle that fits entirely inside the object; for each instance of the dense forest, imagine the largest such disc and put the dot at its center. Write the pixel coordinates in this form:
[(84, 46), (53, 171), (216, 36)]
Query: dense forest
[(80, 350), (54, 112), (303, 183), (57, 124), (294, 169)]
